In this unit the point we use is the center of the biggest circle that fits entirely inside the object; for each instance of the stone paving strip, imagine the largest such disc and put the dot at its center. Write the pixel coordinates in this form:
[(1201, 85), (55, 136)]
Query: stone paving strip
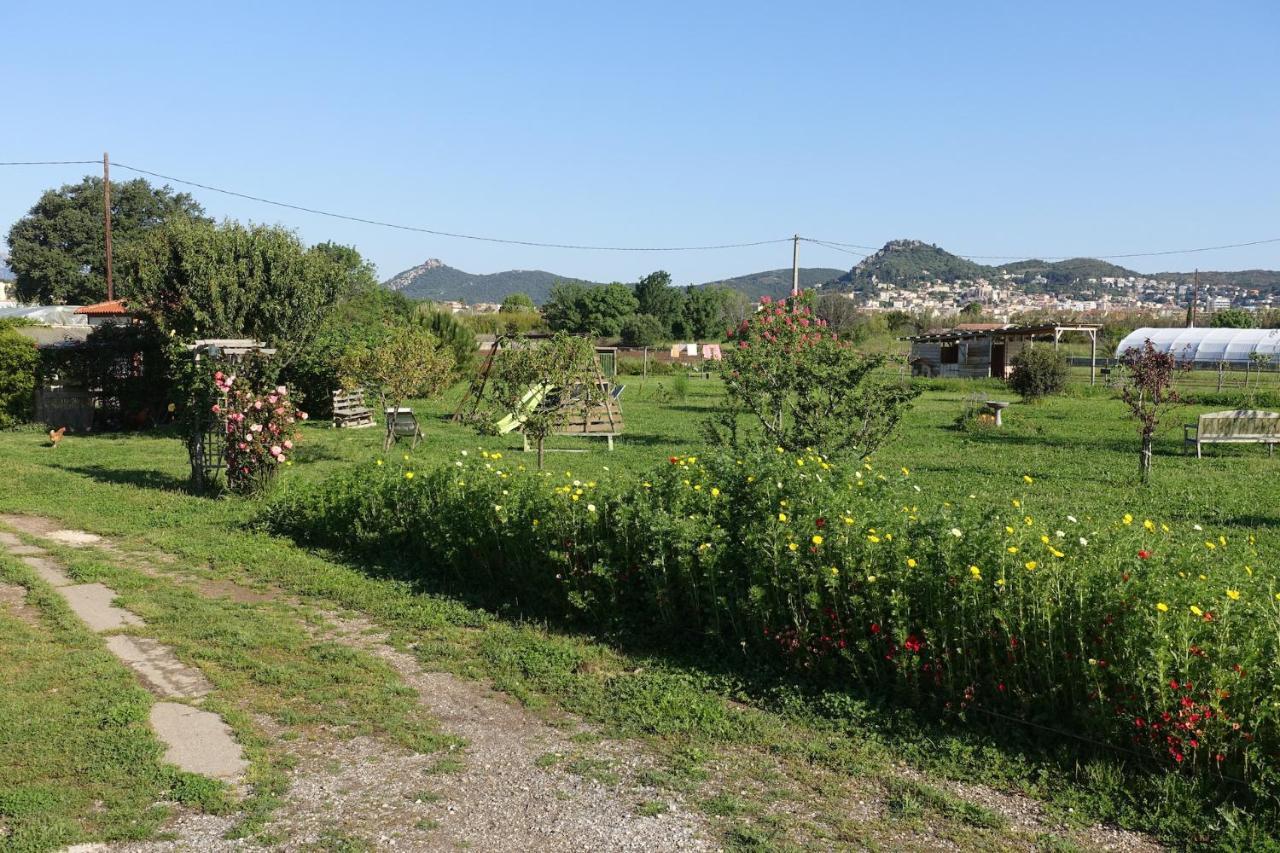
[(195, 740)]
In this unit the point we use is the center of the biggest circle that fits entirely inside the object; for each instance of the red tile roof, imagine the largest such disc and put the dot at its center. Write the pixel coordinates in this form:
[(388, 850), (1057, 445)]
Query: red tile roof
[(114, 308)]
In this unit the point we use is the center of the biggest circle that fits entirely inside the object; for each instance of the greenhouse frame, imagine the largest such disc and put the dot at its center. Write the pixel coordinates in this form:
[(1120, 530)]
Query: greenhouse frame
[(1198, 345)]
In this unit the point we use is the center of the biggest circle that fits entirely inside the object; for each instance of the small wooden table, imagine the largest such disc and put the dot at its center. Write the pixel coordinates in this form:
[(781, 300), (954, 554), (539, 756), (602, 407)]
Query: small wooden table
[(996, 407)]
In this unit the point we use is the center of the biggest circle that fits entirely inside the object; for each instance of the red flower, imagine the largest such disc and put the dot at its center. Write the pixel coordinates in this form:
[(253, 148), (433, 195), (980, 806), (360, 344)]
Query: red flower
[(913, 643), (875, 629), (821, 522), (1144, 554)]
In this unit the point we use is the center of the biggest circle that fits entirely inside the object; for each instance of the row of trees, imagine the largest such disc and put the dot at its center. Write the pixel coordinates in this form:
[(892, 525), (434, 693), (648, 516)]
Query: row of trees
[(646, 313)]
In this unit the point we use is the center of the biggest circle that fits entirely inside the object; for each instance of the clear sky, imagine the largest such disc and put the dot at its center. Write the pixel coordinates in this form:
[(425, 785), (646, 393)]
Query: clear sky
[(988, 128)]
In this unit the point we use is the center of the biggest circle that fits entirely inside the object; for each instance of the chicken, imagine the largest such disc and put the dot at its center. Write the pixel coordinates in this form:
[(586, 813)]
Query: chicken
[(55, 435)]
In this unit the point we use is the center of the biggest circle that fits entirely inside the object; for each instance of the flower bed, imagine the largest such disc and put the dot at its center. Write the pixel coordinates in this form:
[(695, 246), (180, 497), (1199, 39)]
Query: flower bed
[(1151, 636)]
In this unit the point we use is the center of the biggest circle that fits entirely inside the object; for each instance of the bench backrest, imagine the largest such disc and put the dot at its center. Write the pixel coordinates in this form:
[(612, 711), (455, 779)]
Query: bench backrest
[(1241, 422), (402, 421)]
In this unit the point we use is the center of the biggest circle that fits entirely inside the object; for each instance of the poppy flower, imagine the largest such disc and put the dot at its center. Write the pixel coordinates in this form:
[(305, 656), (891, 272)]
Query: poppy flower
[(1144, 554)]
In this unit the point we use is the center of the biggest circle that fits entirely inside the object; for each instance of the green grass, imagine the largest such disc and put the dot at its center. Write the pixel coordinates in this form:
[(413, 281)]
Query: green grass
[(696, 714), (77, 759)]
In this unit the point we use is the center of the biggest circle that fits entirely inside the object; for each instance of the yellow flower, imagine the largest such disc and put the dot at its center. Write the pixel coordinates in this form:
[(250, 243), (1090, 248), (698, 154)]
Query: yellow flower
[(575, 497), (495, 456), (906, 472), (1026, 478), (1016, 503), (1000, 582), (1150, 525), (873, 538), (1128, 519), (848, 519), (1222, 540), (800, 462), (1011, 549), (835, 573), (871, 578), (698, 487), (1045, 539), (1209, 545), (1196, 611), (793, 546), (715, 493), (1028, 521), (1008, 529), (1031, 565), (782, 516), (379, 461), (1162, 607), (1055, 552), (1164, 527), (705, 546), (911, 564), (816, 540), (406, 457), (1233, 594), (975, 572), (408, 475)]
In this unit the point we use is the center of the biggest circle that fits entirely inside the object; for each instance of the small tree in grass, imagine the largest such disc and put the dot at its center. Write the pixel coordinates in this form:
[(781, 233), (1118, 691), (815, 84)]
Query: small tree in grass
[(543, 382), (1038, 372), (1149, 394), (409, 362), (789, 374)]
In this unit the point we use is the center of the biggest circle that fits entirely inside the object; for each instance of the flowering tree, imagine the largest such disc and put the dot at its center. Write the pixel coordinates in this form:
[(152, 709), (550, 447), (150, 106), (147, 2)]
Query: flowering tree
[(260, 432), (1149, 394), (804, 387)]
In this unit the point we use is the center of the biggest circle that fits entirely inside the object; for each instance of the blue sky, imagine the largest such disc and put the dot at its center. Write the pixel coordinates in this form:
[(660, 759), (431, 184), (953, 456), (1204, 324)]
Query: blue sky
[(988, 128)]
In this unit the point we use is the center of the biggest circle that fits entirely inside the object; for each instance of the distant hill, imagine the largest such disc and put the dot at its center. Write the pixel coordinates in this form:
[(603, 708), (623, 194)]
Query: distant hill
[(1264, 280), (437, 281), (907, 262), (776, 283)]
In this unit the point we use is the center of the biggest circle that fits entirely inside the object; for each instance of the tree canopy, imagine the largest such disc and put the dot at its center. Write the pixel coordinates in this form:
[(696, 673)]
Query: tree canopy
[(198, 280), (58, 250), (598, 310), (514, 303)]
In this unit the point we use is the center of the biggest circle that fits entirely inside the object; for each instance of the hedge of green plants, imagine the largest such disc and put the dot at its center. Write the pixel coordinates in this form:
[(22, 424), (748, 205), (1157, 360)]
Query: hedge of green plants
[(1152, 636)]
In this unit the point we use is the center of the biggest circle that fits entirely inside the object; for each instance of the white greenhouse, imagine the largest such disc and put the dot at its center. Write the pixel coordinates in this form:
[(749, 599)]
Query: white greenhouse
[(1209, 346)]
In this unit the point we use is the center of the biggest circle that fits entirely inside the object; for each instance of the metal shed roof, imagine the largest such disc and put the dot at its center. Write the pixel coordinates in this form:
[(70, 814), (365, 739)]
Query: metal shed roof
[(1233, 346)]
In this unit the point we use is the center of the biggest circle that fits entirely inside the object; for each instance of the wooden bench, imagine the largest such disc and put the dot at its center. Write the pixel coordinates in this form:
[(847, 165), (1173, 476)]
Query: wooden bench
[(350, 411), (402, 423), (1242, 426)]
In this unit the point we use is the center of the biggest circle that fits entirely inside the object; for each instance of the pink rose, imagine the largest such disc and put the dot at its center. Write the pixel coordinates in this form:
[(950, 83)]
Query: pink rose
[(275, 450), (216, 409), (257, 404), (272, 399), (288, 445), (218, 376), (302, 415), (256, 428), (281, 390)]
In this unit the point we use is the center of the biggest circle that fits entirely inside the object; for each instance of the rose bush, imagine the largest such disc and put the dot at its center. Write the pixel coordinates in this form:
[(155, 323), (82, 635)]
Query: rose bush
[(260, 430)]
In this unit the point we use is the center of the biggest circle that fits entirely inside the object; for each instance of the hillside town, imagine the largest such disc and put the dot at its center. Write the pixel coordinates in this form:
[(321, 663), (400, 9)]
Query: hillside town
[(1004, 298)]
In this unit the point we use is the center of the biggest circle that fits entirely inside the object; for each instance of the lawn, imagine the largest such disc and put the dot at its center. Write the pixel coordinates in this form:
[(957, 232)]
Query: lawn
[(1080, 449)]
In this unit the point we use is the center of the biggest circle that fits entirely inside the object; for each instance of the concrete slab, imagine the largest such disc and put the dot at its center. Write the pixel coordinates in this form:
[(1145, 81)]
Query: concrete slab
[(92, 603), (24, 550), (49, 570), (74, 538), (159, 668), (198, 741)]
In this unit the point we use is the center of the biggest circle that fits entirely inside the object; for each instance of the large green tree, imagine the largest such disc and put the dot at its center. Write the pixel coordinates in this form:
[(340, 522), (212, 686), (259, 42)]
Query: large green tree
[(57, 251), (656, 297), (197, 280), (596, 310)]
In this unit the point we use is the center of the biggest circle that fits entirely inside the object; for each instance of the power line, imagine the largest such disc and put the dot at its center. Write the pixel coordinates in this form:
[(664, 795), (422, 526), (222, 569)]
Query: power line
[(834, 245), (50, 162), (454, 234)]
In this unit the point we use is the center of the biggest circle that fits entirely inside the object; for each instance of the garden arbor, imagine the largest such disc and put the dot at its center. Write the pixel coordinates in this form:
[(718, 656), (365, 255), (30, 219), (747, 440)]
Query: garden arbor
[(208, 407)]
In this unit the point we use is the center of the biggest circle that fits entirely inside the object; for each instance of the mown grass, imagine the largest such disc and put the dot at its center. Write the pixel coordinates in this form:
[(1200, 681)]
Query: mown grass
[(709, 718)]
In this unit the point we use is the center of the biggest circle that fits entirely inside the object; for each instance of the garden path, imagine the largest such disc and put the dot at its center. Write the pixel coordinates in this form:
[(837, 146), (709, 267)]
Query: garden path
[(495, 794)]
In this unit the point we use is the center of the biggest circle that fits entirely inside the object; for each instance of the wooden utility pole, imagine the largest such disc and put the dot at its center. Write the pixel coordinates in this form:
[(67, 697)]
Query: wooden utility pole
[(795, 265), (1195, 299), (106, 219)]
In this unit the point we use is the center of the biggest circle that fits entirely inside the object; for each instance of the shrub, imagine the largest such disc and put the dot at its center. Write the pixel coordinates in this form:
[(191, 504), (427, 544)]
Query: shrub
[(680, 385), (1038, 372), (850, 575), (792, 379), (642, 330), (636, 367), (260, 433), (18, 361)]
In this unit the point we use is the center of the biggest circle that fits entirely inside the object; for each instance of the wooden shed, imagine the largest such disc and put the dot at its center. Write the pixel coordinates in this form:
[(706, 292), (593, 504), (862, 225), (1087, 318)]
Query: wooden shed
[(982, 350)]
